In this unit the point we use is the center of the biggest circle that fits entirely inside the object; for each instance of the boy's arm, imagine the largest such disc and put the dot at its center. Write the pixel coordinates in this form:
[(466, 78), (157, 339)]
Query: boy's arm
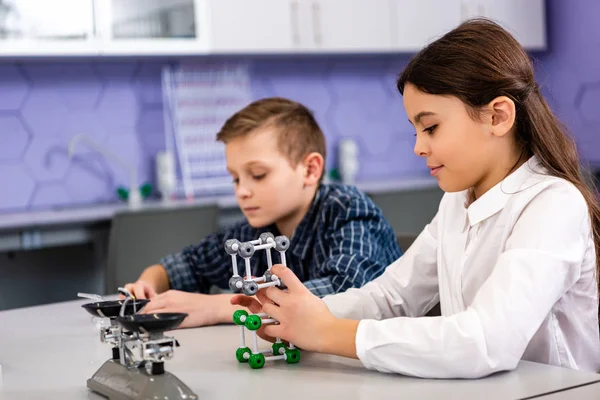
[(196, 268), (178, 271), (360, 244), (184, 269), (201, 309), (408, 287), (156, 276)]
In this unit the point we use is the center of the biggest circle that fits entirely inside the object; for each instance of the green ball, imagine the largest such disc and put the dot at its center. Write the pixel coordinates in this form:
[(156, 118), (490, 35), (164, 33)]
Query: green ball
[(292, 356), (276, 347), (238, 315), (239, 354), (253, 322), (257, 361)]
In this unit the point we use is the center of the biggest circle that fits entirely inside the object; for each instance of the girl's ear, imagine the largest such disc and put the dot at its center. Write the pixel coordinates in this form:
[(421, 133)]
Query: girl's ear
[(503, 114), (313, 165)]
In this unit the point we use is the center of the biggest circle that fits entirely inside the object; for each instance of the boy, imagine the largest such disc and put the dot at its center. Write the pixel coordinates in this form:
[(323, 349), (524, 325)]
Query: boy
[(275, 153)]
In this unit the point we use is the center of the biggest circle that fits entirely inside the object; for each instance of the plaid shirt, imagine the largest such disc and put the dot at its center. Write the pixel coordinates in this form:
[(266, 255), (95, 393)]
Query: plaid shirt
[(342, 242)]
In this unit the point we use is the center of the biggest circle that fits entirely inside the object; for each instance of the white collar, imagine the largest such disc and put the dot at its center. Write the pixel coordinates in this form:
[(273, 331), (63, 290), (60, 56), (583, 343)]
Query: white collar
[(496, 198)]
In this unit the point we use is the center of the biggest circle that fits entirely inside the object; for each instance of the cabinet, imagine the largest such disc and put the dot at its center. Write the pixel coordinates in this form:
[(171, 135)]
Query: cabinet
[(346, 25), (152, 27), (419, 23), (42, 28), (300, 26), (198, 27), (257, 26), (525, 19)]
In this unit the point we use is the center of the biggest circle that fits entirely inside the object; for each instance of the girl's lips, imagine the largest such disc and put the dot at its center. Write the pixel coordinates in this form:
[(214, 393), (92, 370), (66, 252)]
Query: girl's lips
[(435, 170)]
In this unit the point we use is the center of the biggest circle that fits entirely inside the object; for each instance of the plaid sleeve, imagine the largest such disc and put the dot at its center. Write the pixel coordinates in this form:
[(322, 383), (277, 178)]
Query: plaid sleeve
[(196, 268), (360, 246), (320, 287)]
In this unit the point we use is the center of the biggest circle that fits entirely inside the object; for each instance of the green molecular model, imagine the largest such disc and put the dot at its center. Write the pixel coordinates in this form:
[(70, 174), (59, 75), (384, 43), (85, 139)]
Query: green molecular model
[(249, 286)]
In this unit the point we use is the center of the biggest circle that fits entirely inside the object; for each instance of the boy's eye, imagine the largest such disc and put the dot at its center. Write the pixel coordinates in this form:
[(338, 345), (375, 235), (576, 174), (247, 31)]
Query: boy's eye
[(430, 129)]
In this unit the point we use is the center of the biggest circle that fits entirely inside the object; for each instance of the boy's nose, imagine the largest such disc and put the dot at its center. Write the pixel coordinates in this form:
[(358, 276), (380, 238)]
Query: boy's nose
[(243, 192)]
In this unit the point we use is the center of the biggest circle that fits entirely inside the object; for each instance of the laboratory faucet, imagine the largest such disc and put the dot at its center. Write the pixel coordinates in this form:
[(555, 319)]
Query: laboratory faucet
[(134, 198)]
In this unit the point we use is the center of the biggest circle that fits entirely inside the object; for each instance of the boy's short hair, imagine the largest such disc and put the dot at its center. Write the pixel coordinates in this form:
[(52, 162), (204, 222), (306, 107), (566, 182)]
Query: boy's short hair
[(298, 133)]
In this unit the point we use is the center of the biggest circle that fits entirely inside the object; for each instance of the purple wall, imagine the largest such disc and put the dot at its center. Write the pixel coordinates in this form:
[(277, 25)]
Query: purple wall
[(570, 71), (42, 105)]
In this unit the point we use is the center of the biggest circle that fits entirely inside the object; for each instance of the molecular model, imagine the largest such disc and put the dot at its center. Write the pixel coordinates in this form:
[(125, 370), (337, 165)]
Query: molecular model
[(249, 286)]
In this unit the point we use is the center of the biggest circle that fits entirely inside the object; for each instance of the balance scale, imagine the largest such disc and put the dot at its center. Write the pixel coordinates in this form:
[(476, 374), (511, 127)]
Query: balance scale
[(136, 370)]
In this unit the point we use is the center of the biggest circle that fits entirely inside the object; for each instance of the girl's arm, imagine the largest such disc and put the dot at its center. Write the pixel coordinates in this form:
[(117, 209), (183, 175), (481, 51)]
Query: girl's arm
[(541, 262)]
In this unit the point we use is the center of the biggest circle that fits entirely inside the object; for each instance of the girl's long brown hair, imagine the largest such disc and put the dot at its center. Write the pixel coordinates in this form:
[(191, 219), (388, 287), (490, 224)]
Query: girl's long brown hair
[(479, 61)]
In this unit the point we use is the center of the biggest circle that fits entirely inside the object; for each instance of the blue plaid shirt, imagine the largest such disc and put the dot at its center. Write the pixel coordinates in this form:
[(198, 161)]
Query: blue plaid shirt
[(342, 242)]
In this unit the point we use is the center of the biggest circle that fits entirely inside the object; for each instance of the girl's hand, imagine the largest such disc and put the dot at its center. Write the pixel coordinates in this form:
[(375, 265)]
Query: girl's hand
[(255, 307), (304, 319)]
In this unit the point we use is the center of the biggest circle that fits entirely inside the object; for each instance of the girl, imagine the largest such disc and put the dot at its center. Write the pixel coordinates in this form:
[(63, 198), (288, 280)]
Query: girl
[(511, 253)]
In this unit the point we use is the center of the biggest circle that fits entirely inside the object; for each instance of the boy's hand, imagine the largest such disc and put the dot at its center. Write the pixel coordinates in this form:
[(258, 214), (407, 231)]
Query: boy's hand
[(202, 309), (141, 290)]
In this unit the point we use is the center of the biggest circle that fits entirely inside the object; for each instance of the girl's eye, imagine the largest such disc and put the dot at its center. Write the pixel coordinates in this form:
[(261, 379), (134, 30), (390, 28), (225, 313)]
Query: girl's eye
[(258, 177), (430, 129)]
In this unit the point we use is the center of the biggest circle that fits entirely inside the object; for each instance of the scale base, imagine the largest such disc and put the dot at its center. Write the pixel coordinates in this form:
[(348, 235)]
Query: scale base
[(117, 382)]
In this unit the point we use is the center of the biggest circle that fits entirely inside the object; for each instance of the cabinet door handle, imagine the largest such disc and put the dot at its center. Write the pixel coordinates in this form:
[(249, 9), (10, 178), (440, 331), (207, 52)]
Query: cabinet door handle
[(317, 31), (94, 19), (295, 23)]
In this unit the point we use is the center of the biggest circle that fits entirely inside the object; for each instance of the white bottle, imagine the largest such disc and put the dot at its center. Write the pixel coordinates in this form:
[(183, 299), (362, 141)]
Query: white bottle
[(165, 174), (348, 160)]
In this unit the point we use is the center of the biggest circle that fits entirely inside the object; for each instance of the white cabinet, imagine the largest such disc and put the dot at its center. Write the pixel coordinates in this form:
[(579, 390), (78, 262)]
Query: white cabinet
[(256, 26), (196, 27), (300, 26), (525, 19), (43, 28), (153, 27), (349, 25), (420, 22)]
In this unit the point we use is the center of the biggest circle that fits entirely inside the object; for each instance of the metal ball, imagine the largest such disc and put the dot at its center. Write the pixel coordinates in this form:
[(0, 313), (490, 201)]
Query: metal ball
[(232, 246), (233, 281), (246, 250), (264, 237), (282, 243), (250, 288)]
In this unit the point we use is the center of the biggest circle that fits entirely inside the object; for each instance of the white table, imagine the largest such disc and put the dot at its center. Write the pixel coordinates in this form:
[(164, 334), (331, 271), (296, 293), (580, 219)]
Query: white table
[(586, 392), (48, 352)]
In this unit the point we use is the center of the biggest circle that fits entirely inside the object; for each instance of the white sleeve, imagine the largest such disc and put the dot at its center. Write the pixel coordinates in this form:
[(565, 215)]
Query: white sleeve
[(541, 261), (408, 287)]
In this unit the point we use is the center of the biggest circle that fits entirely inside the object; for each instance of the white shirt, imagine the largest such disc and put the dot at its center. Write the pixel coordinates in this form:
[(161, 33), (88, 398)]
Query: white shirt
[(515, 273)]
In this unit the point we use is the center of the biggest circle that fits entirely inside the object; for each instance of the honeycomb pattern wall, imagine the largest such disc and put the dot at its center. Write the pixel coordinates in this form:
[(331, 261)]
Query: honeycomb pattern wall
[(119, 104), (569, 72)]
